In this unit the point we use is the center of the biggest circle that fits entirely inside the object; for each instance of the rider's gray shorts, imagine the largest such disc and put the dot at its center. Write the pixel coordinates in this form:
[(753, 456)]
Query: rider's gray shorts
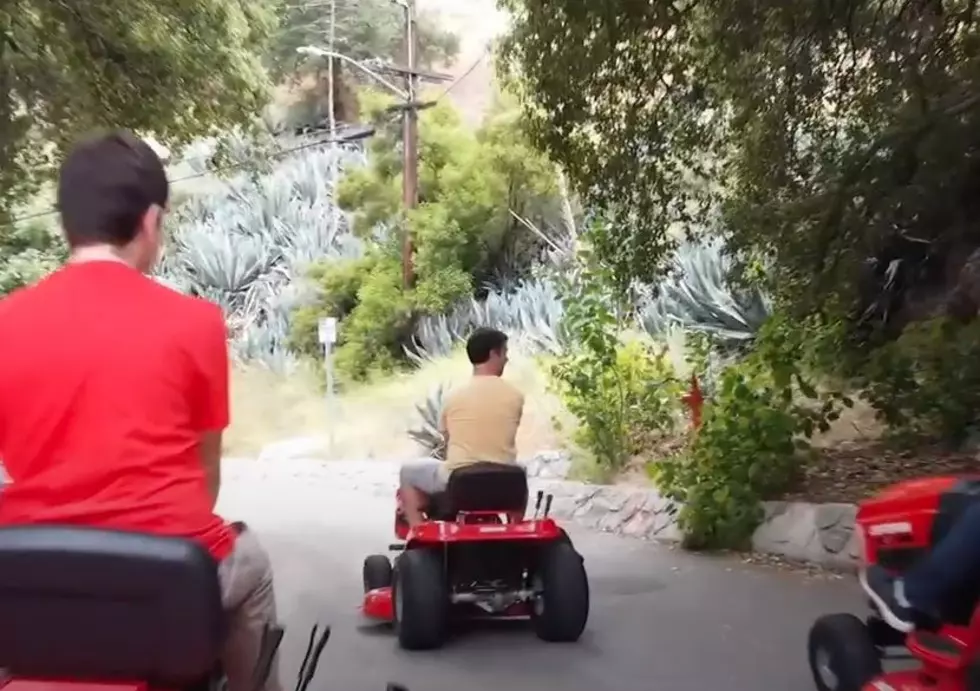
[(427, 475)]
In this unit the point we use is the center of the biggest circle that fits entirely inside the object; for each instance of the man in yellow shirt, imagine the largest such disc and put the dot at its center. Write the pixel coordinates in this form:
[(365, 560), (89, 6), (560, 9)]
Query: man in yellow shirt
[(479, 423)]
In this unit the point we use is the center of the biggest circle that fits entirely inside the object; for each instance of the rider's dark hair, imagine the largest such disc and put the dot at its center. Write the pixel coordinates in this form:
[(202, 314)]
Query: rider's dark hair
[(482, 343), (107, 184)]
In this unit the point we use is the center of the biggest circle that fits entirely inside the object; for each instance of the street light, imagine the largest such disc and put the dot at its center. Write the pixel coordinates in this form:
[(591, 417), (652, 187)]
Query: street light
[(320, 52)]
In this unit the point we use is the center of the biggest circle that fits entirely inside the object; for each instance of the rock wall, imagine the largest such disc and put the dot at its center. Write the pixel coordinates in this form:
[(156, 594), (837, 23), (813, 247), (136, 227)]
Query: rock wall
[(822, 534)]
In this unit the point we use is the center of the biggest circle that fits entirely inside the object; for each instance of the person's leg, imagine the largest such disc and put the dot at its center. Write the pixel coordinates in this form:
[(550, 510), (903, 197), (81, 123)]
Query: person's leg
[(951, 563), (418, 481), (248, 598)]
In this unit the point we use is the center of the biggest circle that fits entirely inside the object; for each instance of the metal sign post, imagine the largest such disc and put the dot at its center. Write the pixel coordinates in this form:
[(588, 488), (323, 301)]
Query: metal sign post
[(327, 333)]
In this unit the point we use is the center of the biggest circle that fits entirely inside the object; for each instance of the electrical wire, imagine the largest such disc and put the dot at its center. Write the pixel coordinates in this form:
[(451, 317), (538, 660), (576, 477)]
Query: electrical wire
[(445, 92), (467, 73), (233, 166)]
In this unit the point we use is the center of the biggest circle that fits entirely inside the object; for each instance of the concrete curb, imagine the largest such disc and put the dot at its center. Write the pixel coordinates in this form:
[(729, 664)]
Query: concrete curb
[(821, 534)]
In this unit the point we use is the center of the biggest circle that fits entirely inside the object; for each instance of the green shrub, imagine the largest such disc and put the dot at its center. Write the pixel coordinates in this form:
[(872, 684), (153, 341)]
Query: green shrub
[(373, 335), (375, 315), (620, 394), (926, 384), (620, 403), (462, 231), (29, 252), (337, 284), (749, 448)]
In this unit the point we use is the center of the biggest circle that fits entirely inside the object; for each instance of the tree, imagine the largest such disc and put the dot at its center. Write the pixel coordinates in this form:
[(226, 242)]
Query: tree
[(176, 69), (469, 182), (835, 143), (464, 233), (365, 29)]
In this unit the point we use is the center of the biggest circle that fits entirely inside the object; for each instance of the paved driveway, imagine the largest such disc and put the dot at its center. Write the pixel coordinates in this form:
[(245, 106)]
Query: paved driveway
[(661, 620)]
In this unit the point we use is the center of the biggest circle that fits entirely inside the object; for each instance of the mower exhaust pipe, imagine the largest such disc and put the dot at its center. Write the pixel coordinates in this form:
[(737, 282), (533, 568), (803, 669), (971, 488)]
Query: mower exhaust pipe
[(537, 504)]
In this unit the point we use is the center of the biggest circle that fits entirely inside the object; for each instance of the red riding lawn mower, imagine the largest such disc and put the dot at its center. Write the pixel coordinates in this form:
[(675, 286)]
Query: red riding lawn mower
[(92, 610), (897, 527), (478, 557)]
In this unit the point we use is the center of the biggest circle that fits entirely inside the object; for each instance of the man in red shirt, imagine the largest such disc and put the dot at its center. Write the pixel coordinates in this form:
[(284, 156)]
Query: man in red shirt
[(115, 388)]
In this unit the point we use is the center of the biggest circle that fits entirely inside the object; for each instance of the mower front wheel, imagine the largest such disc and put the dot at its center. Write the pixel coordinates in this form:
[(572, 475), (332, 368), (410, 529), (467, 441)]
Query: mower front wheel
[(377, 572), (421, 599), (561, 605), (842, 655)]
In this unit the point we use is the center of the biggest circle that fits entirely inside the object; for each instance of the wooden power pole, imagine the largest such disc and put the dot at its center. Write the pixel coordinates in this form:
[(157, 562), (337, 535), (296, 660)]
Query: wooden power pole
[(410, 119), (410, 108)]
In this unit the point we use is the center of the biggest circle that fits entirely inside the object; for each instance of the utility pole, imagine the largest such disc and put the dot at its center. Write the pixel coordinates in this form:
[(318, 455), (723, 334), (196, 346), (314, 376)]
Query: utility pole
[(409, 106), (410, 124)]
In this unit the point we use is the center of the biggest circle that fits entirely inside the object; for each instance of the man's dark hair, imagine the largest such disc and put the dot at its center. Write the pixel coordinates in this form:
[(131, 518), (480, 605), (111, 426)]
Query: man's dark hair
[(482, 343), (106, 185)]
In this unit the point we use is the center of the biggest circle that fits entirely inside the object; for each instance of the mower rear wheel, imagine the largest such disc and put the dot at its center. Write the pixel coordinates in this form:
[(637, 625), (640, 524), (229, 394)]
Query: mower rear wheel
[(377, 572), (421, 599), (842, 655), (561, 608)]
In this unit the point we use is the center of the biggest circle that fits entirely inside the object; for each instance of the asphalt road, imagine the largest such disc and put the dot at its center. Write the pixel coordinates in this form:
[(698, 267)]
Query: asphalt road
[(661, 620)]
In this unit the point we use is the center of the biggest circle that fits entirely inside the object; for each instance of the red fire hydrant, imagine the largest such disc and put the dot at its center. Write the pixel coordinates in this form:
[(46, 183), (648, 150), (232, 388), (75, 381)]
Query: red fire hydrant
[(694, 400)]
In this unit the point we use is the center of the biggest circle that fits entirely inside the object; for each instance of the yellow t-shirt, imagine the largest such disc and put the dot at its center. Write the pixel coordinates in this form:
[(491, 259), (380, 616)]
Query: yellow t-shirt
[(481, 420)]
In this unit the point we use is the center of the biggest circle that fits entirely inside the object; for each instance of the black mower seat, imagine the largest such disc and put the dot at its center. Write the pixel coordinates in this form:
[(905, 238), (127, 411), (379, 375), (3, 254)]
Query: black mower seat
[(482, 487), (88, 604)]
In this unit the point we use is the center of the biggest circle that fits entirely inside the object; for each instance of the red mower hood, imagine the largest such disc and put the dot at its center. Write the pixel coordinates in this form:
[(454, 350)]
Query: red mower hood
[(903, 497)]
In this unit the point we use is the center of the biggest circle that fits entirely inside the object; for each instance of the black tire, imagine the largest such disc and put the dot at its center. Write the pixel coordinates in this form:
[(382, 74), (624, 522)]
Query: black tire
[(841, 653), (420, 598), (377, 572), (561, 609)]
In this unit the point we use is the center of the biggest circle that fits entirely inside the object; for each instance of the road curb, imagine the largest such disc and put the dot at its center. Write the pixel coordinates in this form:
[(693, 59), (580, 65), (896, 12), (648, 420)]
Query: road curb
[(820, 534)]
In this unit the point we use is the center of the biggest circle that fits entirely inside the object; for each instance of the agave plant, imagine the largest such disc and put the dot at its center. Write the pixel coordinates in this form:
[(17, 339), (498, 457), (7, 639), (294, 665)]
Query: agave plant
[(244, 243), (428, 434), (696, 298), (530, 312)]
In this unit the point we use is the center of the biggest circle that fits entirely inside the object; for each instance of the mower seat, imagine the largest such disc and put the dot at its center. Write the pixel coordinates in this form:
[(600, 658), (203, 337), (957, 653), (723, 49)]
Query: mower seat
[(87, 604), (482, 487)]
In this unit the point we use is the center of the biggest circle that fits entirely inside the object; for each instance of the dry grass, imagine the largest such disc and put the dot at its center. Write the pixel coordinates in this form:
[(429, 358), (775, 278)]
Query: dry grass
[(370, 421)]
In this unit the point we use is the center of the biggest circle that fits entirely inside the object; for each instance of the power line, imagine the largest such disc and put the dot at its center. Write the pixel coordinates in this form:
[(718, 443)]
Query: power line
[(463, 76), (366, 132), (357, 134)]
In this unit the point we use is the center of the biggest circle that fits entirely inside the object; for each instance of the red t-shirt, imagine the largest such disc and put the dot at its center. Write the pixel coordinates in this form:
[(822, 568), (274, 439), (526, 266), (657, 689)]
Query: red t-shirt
[(107, 381)]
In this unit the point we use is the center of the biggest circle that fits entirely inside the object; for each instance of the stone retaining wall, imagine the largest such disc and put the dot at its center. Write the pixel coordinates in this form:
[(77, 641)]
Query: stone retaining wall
[(822, 534)]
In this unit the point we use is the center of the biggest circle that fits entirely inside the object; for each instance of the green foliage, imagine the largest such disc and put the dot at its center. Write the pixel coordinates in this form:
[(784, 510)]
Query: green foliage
[(375, 330), (337, 284), (698, 297), (462, 231), (468, 184), (620, 394), (365, 30), (756, 426), (375, 315), (926, 384), (819, 135), (27, 254), (176, 69), (246, 241)]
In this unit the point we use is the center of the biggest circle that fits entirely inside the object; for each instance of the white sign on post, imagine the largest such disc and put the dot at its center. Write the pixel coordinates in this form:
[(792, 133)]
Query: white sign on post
[(327, 331)]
